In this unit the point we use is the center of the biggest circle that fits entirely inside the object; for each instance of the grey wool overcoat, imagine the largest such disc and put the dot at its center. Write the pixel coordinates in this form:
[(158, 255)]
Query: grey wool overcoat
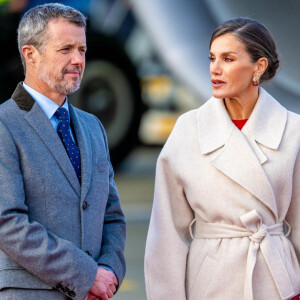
[(55, 232), (226, 215)]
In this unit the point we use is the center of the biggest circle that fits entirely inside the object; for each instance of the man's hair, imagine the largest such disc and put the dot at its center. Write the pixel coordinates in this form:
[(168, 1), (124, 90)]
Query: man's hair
[(32, 29)]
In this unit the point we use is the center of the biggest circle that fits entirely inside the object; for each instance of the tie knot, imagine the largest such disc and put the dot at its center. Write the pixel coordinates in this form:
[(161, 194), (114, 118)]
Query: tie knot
[(258, 236), (62, 113)]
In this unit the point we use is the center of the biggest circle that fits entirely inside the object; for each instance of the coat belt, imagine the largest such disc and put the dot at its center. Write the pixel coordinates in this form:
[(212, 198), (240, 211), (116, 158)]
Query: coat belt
[(261, 237)]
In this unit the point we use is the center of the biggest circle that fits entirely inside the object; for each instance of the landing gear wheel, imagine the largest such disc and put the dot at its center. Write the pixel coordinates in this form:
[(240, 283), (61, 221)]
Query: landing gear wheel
[(110, 90)]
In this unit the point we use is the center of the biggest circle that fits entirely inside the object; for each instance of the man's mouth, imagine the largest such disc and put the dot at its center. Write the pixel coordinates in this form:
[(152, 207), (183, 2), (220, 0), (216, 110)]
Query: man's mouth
[(73, 72)]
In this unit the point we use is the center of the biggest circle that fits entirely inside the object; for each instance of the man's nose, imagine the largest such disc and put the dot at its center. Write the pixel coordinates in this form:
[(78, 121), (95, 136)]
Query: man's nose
[(77, 58)]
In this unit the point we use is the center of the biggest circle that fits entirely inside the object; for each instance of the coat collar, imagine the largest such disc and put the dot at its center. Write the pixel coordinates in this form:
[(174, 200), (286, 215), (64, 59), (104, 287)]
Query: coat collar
[(239, 155), (265, 125), (267, 121), (22, 98), (44, 129)]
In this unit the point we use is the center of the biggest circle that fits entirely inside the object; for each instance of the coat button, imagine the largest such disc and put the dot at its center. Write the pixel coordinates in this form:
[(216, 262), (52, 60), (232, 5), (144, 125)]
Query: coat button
[(84, 205), (71, 294), (87, 252)]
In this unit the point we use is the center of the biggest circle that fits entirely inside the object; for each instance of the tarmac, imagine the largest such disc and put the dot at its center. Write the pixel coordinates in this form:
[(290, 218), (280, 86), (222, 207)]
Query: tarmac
[(135, 182)]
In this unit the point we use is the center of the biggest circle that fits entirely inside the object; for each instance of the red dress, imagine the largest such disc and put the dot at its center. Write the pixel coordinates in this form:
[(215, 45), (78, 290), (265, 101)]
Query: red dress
[(240, 123)]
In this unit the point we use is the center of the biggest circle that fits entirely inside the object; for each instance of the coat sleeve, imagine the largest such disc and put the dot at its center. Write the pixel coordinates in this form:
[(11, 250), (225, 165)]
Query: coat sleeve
[(293, 215), (114, 228), (168, 237), (54, 260)]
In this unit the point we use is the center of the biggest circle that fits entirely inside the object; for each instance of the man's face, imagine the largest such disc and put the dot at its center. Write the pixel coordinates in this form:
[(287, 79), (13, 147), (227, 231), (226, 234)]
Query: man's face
[(62, 59)]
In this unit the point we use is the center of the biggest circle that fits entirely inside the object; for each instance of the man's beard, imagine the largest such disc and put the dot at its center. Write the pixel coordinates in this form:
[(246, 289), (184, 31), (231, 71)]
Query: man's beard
[(59, 84)]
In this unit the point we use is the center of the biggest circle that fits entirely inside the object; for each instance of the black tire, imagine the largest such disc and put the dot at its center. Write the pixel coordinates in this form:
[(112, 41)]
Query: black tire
[(110, 89), (11, 70)]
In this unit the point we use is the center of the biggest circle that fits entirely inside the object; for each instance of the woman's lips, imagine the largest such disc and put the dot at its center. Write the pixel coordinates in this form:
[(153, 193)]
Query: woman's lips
[(217, 83)]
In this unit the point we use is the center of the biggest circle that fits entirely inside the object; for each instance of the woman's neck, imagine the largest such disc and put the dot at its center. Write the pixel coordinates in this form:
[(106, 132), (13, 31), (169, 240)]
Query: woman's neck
[(240, 108)]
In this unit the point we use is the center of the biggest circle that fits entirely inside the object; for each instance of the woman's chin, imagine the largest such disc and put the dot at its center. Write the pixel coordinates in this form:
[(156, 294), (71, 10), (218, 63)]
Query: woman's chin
[(219, 94)]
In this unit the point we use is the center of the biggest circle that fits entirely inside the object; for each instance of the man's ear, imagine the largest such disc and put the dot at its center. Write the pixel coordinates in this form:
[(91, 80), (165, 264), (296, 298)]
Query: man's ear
[(31, 55)]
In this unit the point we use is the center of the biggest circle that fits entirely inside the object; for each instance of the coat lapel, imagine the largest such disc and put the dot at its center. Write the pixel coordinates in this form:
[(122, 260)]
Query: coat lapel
[(239, 162), (239, 156), (44, 129), (84, 144), (267, 122)]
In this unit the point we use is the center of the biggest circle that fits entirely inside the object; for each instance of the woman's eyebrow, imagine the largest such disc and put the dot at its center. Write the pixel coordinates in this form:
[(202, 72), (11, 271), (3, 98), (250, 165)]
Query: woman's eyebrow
[(225, 53)]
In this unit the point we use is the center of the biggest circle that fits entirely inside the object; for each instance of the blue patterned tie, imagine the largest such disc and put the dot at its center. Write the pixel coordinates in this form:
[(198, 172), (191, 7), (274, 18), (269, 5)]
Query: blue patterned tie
[(63, 130)]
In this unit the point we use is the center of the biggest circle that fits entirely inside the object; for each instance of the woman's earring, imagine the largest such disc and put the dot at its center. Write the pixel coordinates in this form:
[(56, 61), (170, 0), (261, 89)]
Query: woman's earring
[(255, 79)]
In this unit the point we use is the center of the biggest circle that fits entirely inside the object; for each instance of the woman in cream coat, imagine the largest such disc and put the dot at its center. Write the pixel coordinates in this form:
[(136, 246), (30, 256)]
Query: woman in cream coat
[(226, 216)]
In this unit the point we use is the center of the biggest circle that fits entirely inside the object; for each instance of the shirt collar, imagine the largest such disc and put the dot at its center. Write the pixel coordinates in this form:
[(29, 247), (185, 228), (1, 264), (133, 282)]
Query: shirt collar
[(48, 106)]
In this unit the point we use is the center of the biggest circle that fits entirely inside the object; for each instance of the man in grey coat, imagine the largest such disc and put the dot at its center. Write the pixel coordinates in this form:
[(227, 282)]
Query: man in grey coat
[(62, 230)]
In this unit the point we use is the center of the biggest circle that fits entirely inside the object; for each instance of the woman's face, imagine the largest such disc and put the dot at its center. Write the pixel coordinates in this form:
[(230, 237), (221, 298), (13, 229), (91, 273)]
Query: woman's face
[(231, 68)]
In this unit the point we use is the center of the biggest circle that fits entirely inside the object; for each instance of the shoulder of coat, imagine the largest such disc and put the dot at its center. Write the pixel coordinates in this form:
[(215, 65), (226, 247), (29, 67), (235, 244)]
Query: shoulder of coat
[(294, 116), (8, 109), (187, 116), (293, 124), (185, 123)]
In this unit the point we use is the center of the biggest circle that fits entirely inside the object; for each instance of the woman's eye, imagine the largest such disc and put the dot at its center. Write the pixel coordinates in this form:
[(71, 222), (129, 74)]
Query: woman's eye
[(211, 58), (228, 59)]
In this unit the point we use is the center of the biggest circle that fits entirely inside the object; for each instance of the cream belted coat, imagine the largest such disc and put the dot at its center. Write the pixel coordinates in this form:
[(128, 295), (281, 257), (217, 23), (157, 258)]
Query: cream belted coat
[(226, 215)]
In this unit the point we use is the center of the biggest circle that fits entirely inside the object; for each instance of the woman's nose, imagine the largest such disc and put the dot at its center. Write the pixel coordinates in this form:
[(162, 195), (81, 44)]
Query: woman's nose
[(215, 67)]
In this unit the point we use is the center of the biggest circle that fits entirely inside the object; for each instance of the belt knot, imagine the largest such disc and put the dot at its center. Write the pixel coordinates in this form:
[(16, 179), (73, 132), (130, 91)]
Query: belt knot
[(258, 236), (261, 237)]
